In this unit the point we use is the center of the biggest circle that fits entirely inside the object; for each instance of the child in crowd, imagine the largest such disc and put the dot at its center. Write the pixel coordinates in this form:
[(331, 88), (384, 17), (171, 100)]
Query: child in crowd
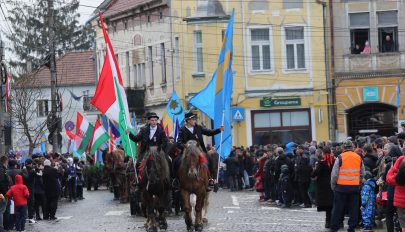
[(368, 202), (19, 193)]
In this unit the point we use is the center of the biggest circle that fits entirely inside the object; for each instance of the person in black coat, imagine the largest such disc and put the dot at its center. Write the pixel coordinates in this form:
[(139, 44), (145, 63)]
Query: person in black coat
[(52, 188), (29, 180), (5, 183), (232, 169), (192, 131), (39, 191), (324, 193), (303, 172), (152, 134), (370, 160)]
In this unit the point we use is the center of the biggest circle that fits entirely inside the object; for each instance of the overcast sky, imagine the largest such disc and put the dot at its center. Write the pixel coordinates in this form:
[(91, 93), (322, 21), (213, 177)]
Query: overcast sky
[(84, 11)]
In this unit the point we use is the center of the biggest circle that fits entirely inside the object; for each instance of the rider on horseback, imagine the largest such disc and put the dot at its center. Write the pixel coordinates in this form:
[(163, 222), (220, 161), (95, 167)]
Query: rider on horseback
[(192, 131), (150, 135)]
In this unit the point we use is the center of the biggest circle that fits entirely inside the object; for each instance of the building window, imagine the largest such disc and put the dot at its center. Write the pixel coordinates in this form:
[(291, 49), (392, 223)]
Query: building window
[(135, 81), (295, 48), (163, 58), (125, 25), (260, 49), (359, 31), (292, 4), (160, 15), (281, 126), (148, 18), (223, 34), (128, 70), (141, 74), (86, 104), (198, 52), (42, 108), (388, 31), (150, 55), (114, 26), (117, 59)]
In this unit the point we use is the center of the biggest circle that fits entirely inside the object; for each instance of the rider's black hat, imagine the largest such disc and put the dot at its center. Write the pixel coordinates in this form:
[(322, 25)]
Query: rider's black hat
[(151, 115), (190, 116)]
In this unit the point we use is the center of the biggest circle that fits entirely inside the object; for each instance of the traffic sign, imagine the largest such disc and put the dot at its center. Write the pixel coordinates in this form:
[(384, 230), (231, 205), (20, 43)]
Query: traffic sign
[(238, 114)]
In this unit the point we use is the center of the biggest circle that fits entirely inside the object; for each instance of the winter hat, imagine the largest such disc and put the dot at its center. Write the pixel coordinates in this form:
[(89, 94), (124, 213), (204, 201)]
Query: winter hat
[(47, 162)]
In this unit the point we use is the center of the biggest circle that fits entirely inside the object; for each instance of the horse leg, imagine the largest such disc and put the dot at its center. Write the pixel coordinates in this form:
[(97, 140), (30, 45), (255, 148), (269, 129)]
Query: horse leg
[(150, 225), (187, 210), (198, 211), (162, 211), (205, 208)]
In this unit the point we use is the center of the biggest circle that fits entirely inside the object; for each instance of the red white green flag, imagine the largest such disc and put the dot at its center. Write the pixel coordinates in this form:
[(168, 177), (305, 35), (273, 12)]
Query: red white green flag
[(98, 138), (84, 131), (110, 97)]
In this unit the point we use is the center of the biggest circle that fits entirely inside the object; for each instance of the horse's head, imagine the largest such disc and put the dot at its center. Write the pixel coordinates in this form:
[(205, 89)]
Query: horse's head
[(192, 158), (153, 166)]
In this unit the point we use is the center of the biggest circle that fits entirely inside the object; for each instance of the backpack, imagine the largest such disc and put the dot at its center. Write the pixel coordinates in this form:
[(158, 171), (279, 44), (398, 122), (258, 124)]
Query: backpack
[(400, 177)]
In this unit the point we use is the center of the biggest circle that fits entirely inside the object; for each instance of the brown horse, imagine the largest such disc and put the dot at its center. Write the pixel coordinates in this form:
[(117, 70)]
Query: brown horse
[(115, 168), (155, 184), (193, 177)]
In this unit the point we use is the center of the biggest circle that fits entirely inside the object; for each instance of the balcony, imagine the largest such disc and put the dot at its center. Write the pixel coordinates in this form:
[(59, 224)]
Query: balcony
[(371, 65), (136, 100)]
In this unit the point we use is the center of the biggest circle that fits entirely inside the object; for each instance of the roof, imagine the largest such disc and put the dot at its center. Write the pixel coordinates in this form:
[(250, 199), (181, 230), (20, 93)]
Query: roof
[(208, 10), (119, 6), (73, 68)]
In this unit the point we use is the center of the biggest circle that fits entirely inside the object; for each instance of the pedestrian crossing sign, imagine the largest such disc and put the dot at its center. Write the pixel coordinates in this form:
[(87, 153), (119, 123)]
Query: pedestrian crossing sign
[(238, 114)]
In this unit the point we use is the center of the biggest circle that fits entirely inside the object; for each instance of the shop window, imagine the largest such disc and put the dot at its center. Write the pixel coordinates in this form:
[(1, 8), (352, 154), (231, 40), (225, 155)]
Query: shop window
[(387, 31), (42, 108), (359, 31), (292, 4), (298, 118)]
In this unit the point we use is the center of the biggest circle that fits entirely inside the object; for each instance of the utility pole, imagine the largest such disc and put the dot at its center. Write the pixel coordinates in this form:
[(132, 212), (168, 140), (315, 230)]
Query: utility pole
[(54, 120)]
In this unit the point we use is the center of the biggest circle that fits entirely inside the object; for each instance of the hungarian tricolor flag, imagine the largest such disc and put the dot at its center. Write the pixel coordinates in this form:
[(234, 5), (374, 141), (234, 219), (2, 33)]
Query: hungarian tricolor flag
[(99, 137), (84, 131), (110, 97)]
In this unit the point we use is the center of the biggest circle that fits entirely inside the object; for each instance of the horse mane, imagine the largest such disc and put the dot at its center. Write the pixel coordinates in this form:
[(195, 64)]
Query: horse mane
[(160, 161), (192, 149)]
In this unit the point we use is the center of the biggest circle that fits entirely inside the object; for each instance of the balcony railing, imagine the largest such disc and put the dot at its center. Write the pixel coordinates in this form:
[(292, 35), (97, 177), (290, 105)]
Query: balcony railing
[(375, 62)]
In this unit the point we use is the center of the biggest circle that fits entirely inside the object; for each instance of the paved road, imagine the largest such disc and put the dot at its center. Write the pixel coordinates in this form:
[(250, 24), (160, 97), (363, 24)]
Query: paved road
[(227, 212)]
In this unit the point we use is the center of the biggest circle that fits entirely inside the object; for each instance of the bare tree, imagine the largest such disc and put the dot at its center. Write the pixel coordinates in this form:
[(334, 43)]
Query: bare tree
[(25, 93)]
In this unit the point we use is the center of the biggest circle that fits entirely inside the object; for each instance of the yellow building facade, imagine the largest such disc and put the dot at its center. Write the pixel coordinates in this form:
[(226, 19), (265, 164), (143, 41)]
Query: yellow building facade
[(278, 64)]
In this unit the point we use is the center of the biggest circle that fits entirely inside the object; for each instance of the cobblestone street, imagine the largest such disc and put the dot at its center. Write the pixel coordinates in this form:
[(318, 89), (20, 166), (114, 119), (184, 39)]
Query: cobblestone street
[(238, 211)]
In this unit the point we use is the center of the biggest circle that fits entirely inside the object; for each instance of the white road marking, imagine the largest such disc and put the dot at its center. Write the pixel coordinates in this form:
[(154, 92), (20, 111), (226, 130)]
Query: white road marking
[(269, 208), (230, 211), (114, 213), (65, 218), (231, 207), (235, 200)]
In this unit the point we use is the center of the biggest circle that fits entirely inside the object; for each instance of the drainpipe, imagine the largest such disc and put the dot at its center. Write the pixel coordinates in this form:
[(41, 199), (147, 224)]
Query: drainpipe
[(329, 83)]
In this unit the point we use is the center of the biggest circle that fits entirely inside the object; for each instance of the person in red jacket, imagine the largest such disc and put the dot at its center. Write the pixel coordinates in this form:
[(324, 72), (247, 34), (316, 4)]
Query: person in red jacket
[(399, 195), (19, 193)]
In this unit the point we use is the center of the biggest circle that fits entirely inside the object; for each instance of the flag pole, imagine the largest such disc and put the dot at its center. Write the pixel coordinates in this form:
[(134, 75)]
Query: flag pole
[(220, 145)]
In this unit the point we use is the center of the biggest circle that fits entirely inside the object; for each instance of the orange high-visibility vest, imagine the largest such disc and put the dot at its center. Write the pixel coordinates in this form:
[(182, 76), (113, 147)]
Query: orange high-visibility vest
[(349, 172)]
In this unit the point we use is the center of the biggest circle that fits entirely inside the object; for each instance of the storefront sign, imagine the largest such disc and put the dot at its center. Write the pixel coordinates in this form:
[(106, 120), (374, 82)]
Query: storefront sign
[(370, 94), (267, 102)]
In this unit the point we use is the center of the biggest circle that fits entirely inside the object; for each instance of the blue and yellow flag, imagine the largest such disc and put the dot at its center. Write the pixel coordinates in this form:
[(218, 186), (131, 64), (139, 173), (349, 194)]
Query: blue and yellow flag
[(219, 91), (174, 109)]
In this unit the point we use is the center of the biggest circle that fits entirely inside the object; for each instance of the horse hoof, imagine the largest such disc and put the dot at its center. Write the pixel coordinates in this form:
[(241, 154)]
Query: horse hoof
[(163, 226), (153, 229), (199, 227), (205, 220), (190, 228)]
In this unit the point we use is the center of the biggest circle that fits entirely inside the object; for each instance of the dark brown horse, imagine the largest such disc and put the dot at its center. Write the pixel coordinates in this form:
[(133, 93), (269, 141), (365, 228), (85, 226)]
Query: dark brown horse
[(193, 177), (155, 184)]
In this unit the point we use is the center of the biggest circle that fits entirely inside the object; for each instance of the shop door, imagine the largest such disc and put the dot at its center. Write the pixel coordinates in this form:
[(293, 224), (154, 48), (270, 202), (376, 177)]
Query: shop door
[(372, 118)]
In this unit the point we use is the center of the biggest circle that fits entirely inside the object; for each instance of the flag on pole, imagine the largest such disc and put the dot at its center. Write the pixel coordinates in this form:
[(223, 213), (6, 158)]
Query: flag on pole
[(398, 94), (215, 99), (175, 109), (110, 97), (98, 137), (84, 131), (176, 130)]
